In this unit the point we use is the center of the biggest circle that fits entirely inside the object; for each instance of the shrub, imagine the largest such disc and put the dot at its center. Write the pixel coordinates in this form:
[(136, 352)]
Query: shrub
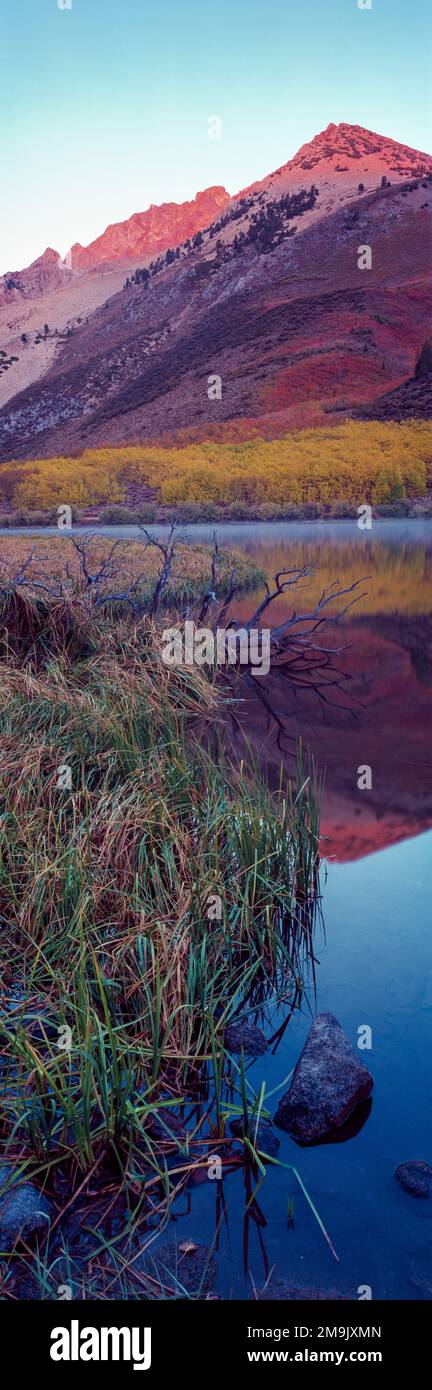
[(187, 511), (343, 509), (268, 511), (37, 518), (53, 515), (18, 518), (148, 513), (209, 511), (390, 509), (196, 511), (241, 512), (309, 511), (32, 517), (118, 516)]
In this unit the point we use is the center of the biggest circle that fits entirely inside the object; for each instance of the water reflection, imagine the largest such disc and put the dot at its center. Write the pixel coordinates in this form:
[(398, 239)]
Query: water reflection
[(375, 963), (382, 716)]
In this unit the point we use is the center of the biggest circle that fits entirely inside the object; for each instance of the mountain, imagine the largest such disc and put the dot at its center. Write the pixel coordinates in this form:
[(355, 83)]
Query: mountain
[(147, 233), (63, 293), (269, 296), (338, 150), (42, 274), (351, 150)]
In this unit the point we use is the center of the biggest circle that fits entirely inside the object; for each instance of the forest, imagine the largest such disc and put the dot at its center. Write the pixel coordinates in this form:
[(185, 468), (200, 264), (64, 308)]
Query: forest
[(356, 461)]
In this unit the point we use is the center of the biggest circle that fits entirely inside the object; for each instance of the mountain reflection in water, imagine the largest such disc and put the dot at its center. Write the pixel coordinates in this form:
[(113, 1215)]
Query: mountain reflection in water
[(384, 718)]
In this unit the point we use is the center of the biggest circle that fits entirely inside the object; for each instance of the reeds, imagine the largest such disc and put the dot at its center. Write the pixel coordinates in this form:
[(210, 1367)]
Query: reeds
[(117, 976)]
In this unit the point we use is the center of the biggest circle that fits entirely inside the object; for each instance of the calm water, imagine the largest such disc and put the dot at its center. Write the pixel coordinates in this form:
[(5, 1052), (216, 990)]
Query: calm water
[(375, 959), (375, 964), (375, 968)]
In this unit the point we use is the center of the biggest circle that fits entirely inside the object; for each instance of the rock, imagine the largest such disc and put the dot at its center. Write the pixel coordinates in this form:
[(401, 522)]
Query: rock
[(240, 1034), (185, 1270), (328, 1082), (421, 1271), (167, 1130), (415, 1176), (101, 1214), (24, 1210), (280, 1290), (266, 1140)]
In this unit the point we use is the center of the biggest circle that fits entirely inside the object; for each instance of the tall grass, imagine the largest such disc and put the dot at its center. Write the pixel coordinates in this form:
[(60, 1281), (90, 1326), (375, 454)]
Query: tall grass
[(117, 976)]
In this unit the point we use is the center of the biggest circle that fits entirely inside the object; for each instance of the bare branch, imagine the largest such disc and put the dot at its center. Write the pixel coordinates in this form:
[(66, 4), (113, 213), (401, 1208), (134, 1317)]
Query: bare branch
[(294, 577), (210, 596), (227, 601), (329, 595), (106, 570), (168, 552)]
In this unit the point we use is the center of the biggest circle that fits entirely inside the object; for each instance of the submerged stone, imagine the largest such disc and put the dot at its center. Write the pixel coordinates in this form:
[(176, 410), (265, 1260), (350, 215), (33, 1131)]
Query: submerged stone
[(266, 1141), (165, 1130), (415, 1176), (328, 1083), (24, 1211), (241, 1034)]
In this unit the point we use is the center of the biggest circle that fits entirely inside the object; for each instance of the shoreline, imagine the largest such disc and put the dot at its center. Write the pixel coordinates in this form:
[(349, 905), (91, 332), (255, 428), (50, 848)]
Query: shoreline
[(132, 527)]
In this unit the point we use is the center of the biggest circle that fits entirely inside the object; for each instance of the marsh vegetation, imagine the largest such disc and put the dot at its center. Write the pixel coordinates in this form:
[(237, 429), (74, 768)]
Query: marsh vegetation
[(153, 892)]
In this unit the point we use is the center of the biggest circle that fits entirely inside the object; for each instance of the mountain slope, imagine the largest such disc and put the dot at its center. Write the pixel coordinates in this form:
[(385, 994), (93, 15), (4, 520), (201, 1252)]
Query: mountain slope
[(62, 293), (271, 300)]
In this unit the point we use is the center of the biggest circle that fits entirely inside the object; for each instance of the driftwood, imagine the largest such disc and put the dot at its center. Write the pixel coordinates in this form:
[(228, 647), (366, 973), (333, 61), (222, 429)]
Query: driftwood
[(296, 654), (299, 652)]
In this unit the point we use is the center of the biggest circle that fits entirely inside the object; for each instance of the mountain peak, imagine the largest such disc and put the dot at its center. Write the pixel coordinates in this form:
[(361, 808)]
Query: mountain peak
[(146, 234), (357, 142), (48, 256), (346, 150)]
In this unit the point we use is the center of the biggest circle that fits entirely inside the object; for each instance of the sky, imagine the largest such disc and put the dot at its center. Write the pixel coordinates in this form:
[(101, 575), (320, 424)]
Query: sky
[(106, 103)]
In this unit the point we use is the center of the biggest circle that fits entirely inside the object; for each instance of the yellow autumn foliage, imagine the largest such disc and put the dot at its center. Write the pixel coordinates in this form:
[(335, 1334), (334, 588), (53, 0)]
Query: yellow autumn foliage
[(355, 461)]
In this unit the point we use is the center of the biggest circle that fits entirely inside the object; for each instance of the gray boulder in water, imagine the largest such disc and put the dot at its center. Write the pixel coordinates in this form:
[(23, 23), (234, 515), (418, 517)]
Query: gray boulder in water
[(241, 1034), (24, 1211), (328, 1082), (415, 1176)]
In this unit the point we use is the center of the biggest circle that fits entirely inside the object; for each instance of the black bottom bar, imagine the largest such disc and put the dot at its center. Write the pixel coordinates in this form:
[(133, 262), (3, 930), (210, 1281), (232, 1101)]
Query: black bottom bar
[(210, 1340)]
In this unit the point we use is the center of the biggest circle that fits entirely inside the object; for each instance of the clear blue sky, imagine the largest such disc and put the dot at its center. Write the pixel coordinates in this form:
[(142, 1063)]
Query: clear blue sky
[(105, 106)]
